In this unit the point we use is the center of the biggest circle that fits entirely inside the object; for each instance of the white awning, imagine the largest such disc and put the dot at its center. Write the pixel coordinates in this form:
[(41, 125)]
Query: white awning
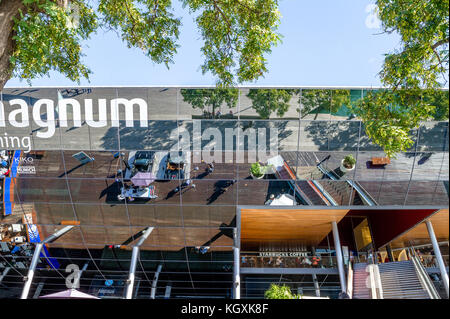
[(69, 294), (284, 200)]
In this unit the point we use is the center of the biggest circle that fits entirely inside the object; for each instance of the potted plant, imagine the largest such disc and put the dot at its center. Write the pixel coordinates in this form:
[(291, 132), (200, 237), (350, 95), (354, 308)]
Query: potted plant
[(348, 163), (257, 171)]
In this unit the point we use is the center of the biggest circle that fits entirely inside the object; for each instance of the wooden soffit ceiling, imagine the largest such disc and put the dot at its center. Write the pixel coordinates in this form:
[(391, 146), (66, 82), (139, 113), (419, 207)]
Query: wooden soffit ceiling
[(307, 226), (419, 234)]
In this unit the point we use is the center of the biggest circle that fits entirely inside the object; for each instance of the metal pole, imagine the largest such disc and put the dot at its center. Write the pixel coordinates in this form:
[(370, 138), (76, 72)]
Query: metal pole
[(38, 290), (314, 276), (236, 268), (134, 258), (316, 285), (35, 260), (5, 272), (167, 292), (155, 282), (340, 262), (389, 253), (131, 276), (437, 253), (56, 235)]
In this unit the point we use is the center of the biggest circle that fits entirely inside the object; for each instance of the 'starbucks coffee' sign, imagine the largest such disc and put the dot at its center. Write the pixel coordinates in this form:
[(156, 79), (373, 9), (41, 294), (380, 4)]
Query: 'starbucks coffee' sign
[(284, 254)]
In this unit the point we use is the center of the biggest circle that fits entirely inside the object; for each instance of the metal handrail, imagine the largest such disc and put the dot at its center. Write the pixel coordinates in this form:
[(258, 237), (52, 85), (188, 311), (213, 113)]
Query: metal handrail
[(423, 276), (350, 281), (377, 279), (365, 196), (372, 284), (326, 172), (325, 193), (376, 289)]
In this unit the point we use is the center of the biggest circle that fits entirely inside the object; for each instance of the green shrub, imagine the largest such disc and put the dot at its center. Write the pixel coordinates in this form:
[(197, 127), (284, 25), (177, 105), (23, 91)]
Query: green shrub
[(280, 292)]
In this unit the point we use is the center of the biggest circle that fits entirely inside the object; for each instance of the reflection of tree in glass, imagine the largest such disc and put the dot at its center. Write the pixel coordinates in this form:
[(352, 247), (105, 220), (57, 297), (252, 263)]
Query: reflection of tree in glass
[(388, 117), (267, 101), (328, 101), (439, 100), (210, 99)]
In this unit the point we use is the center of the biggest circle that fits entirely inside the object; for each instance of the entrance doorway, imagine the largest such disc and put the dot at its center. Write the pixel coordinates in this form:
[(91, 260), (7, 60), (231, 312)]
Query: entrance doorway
[(364, 242)]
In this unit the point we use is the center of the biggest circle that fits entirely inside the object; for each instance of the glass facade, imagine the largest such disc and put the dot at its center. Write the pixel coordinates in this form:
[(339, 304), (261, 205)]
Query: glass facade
[(84, 154)]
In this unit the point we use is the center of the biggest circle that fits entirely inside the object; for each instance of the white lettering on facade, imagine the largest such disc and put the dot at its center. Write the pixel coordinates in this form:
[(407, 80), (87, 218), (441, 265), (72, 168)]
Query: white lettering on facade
[(43, 113)]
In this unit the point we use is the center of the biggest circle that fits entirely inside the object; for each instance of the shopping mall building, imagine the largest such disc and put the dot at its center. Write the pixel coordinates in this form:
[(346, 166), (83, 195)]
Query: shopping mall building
[(155, 192)]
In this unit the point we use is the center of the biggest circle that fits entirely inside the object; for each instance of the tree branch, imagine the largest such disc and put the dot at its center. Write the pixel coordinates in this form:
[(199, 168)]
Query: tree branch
[(439, 43)]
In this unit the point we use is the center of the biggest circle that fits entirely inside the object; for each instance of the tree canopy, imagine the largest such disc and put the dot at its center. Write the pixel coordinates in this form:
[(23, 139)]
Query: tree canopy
[(37, 36), (422, 59), (418, 67)]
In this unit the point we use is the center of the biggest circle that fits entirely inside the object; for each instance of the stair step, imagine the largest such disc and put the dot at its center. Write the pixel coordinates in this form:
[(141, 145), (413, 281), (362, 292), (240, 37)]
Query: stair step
[(405, 294), (399, 280), (393, 292)]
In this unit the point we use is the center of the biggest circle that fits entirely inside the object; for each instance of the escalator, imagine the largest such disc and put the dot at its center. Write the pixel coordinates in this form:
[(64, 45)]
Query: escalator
[(324, 188), (306, 191), (347, 191)]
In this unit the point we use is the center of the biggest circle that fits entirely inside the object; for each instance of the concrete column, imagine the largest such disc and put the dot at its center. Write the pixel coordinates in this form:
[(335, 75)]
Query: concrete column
[(437, 253), (236, 267), (339, 259)]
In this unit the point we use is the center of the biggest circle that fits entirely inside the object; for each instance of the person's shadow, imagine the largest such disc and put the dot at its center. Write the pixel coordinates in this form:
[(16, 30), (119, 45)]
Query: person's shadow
[(220, 188), (425, 157), (111, 192), (172, 193)]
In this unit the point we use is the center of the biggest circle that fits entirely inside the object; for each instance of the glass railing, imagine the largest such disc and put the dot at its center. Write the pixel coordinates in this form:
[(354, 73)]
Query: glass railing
[(429, 261), (251, 261)]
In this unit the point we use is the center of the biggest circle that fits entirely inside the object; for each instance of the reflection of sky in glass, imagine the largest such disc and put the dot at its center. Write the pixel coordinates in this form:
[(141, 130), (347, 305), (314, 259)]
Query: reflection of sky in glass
[(343, 51)]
